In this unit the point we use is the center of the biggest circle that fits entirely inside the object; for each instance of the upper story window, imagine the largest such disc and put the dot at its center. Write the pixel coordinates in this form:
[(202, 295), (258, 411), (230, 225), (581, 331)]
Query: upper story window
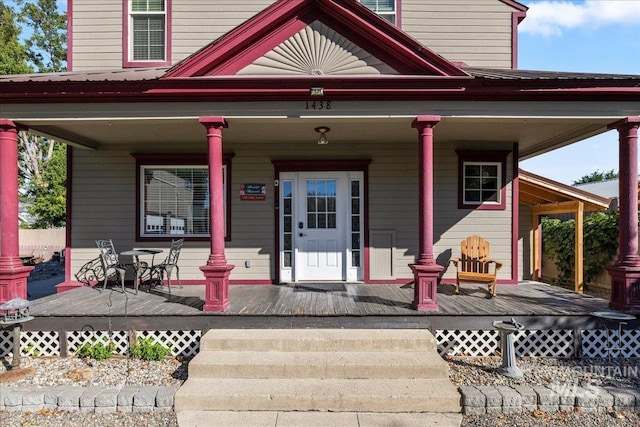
[(385, 8), (147, 33)]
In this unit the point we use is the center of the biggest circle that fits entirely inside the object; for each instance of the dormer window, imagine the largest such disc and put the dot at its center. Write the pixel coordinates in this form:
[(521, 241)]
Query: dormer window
[(385, 8), (147, 34)]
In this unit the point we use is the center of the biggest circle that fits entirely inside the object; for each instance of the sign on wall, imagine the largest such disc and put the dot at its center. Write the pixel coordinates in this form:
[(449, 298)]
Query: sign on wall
[(253, 192)]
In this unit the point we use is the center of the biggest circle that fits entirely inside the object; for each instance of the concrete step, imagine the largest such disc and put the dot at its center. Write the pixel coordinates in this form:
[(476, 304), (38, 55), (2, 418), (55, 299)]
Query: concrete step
[(335, 395), (335, 364), (315, 419), (317, 340)]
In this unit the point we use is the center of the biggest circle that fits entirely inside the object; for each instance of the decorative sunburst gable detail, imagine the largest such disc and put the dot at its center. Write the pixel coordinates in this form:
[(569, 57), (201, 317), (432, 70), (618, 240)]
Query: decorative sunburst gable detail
[(273, 43), (317, 50)]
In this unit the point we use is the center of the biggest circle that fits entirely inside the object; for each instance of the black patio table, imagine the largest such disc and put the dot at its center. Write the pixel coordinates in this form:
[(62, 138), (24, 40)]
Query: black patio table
[(140, 267)]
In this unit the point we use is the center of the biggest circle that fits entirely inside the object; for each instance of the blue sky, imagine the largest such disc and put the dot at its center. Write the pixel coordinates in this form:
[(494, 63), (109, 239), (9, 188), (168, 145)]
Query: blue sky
[(586, 36)]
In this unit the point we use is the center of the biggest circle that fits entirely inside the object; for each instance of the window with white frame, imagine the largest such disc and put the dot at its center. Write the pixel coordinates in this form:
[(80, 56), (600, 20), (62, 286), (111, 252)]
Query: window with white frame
[(385, 8), (481, 182), (147, 30), (175, 200), (482, 179)]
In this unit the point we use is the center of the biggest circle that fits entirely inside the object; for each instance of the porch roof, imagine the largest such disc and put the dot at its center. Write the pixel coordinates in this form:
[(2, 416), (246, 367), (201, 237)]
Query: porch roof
[(536, 190), (539, 110)]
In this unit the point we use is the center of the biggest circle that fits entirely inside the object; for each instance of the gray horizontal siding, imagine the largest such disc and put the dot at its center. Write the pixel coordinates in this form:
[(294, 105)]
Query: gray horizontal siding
[(104, 205), (477, 32)]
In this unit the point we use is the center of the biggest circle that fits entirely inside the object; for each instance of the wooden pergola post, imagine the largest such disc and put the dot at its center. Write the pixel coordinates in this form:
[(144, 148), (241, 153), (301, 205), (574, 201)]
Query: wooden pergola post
[(536, 271), (576, 208)]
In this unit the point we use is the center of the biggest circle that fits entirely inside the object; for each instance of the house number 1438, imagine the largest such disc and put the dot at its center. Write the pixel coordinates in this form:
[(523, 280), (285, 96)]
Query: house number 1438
[(318, 105)]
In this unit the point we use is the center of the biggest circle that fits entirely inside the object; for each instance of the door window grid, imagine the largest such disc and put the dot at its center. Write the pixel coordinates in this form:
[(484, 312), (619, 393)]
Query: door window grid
[(287, 227), (355, 224), (321, 203)]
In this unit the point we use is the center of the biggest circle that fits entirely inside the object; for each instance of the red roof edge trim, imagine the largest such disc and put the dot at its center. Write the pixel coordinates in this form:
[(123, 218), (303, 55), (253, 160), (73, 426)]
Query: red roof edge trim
[(243, 45), (515, 5)]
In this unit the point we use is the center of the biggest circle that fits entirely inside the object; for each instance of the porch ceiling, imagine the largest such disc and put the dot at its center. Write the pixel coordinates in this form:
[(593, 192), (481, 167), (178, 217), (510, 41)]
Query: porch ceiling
[(535, 135)]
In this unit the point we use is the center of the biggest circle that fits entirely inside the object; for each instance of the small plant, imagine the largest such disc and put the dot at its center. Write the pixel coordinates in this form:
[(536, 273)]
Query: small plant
[(147, 349), (97, 350), (32, 350)]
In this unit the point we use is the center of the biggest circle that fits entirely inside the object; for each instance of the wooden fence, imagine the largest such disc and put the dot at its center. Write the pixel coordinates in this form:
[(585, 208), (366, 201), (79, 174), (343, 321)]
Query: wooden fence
[(41, 243)]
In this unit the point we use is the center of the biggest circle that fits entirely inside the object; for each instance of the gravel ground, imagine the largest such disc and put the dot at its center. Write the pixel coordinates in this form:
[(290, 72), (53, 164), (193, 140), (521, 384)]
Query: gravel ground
[(548, 371), (47, 371)]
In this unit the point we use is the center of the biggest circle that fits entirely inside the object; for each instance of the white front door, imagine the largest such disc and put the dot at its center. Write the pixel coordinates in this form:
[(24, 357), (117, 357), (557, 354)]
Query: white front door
[(316, 224)]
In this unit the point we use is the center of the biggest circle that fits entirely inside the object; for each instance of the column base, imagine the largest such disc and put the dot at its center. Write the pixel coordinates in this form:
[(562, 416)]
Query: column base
[(425, 286), (625, 288), (13, 282), (217, 287), (69, 285)]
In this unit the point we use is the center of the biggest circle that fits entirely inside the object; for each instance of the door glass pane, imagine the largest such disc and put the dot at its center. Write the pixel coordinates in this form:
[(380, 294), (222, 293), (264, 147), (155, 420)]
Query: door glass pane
[(321, 203)]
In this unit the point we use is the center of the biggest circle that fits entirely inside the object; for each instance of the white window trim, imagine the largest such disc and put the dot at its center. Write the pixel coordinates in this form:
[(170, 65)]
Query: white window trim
[(133, 14), (385, 14), (498, 200), (141, 208)]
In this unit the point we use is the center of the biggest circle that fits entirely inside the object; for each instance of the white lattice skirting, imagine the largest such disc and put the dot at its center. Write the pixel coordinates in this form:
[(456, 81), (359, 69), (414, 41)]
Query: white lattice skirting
[(545, 343), (47, 343)]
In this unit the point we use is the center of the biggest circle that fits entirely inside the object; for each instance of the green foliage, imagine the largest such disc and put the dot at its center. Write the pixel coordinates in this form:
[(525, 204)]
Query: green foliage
[(14, 56), (97, 350), (597, 176), (600, 244), (147, 349), (42, 47), (47, 196), (47, 45)]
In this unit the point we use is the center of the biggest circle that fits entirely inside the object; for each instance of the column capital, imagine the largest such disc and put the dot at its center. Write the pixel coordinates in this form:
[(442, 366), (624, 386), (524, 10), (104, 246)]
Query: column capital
[(630, 121), (213, 122), (423, 121), (8, 125)]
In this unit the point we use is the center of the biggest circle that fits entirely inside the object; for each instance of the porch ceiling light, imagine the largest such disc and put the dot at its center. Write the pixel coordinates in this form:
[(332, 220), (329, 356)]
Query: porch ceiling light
[(322, 140)]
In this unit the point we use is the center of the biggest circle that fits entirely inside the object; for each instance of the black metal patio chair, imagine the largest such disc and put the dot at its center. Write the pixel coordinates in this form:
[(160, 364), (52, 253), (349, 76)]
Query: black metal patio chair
[(167, 266), (111, 265)]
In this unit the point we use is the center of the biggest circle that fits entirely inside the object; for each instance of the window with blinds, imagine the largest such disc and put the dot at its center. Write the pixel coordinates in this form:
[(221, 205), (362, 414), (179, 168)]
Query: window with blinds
[(148, 30), (175, 201), (385, 8)]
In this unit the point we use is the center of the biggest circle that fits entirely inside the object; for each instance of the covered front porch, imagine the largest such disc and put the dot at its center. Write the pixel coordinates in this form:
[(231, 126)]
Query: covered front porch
[(558, 322), (536, 304)]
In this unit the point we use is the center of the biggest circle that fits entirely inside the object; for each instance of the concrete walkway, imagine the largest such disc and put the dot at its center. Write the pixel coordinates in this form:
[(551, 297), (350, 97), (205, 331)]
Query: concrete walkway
[(316, 419)]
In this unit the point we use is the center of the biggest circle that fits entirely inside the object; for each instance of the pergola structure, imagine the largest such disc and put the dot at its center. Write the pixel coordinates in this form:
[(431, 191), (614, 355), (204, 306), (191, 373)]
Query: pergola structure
[(548, 197)]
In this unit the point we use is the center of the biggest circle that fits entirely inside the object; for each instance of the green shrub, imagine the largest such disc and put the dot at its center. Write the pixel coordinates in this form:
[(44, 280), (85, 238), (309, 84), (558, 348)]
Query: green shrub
[(147, 349), (97, 350), (600, 244)]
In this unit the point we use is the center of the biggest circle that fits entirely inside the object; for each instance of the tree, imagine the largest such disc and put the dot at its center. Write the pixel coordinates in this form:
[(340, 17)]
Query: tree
[(47, 193), (42, 162), (14, 56), (47, 44), (597, 176)]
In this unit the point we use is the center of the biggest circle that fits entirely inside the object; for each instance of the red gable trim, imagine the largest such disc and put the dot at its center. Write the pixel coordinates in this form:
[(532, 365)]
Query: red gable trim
[(515, 5), (248, 42)]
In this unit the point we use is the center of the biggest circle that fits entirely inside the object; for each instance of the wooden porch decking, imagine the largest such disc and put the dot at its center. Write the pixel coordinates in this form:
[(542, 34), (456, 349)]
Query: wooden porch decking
[(537, 305)]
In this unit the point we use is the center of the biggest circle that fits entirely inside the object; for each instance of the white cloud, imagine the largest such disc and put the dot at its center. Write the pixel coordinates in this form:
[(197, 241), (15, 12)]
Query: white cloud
[(551, 18)]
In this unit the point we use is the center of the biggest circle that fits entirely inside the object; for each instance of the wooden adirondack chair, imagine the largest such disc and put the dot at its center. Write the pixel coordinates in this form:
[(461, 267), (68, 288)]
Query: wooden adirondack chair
[(474, 265)]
